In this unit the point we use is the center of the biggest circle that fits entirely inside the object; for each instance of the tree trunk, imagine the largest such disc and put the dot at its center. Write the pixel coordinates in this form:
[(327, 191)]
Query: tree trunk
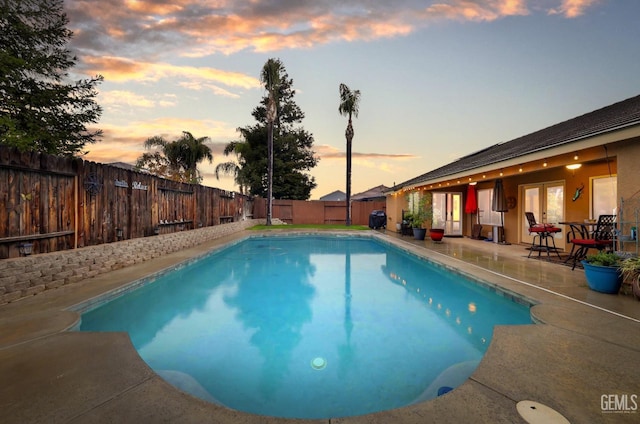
[(349, 135), (270, 173)]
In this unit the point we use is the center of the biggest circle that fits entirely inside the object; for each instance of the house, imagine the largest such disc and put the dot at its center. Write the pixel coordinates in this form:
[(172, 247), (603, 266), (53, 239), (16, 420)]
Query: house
[(373, 194), (335, 196), (126, 166), (575, 170)]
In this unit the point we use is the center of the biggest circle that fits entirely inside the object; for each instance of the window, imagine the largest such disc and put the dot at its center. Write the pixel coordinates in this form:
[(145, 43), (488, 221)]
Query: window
[(604, 196), (487, 216), (412, 199)]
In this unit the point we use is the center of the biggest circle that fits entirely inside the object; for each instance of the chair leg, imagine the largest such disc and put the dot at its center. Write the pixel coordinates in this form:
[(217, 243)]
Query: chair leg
[(546, 244), (570, 257), (555, 249), (581, 253), (573, 247), (533, 246)]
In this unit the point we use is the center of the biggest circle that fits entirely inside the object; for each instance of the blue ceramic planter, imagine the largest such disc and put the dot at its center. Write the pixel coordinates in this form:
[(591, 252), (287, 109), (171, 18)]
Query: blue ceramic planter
[(604, 279), (419, 233)]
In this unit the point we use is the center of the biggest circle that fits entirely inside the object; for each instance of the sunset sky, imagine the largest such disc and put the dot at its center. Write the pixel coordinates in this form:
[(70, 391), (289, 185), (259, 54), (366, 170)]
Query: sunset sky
[(439, 78)]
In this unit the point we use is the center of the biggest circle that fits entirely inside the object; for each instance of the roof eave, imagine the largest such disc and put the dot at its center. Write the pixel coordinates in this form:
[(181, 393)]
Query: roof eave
[(601, 138)]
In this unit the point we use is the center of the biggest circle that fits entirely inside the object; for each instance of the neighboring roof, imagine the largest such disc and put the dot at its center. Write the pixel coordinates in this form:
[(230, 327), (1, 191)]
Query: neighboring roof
[(123, 165), (616, 116), (372, 193), (334, 196)]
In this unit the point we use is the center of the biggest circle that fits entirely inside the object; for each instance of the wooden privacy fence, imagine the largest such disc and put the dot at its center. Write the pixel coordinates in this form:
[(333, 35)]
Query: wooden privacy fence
[(49, 203), (319, 212)]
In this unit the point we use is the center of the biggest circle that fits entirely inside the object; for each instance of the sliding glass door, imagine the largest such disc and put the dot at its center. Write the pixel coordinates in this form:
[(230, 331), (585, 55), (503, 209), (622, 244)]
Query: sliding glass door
[(447, 212)]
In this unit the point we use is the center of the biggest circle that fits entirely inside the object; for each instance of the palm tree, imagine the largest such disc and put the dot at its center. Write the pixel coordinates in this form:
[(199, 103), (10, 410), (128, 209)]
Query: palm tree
[(349, 104), (178, 159), (165, 162), (270, 77), (192, 152), (233, 168)]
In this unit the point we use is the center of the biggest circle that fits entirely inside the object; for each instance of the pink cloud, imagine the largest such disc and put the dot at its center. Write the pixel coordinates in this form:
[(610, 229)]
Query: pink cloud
[(573, 8), (118, 69), (147, 29), (324, 151)]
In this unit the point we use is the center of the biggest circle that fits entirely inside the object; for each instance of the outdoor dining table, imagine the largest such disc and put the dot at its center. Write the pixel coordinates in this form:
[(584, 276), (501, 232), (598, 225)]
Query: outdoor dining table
[(582, 228)]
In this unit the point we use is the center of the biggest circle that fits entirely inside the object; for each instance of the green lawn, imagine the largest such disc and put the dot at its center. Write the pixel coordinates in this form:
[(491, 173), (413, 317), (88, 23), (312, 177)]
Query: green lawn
[(310, 227)]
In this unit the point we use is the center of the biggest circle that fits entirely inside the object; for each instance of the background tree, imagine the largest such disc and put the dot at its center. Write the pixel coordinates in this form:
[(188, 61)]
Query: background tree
[(192, 152), (233, 168), (293, 155), (40, 108), (349, 105), (176, 160), (270, 77)]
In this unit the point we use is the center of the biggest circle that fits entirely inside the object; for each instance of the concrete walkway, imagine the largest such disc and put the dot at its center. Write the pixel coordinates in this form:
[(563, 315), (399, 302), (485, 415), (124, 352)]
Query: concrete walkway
[(584, 351)]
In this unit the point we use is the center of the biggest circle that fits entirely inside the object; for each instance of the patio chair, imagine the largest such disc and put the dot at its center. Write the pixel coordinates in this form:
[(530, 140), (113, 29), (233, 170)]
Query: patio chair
[(572, 234), (601, 238), (543, 232)]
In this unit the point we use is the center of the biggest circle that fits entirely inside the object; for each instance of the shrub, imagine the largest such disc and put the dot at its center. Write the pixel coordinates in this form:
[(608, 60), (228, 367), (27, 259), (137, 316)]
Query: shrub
[(603, 258)]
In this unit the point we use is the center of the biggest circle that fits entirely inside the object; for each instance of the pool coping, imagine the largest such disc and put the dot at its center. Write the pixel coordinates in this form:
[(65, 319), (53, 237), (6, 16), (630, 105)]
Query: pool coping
[(486, 397)]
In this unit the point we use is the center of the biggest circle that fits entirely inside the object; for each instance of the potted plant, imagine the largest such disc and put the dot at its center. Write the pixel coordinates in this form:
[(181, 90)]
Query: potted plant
[(419, 232), (603, 273), (630, 268), (436, 234), (421, 214)]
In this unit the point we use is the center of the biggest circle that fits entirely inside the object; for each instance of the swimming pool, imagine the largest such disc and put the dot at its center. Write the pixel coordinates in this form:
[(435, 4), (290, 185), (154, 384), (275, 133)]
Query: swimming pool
[(310, 327)]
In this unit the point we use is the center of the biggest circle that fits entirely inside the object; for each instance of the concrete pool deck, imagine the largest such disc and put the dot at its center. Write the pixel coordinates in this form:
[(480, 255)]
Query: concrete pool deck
[(585, 352)]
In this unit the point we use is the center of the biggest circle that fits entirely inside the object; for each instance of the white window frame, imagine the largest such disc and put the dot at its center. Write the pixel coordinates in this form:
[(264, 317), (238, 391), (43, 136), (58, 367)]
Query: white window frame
[(610, 190)]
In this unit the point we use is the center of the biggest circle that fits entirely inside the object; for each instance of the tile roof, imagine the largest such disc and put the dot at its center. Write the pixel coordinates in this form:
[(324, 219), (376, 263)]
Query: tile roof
[(372, 193), (609, 118)]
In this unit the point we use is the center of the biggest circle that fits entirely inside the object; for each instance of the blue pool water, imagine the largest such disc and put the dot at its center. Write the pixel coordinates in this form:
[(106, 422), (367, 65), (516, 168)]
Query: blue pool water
[(310, 327)]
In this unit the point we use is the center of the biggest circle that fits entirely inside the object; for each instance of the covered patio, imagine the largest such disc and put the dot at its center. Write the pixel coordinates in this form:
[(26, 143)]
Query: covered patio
[(570, 172)]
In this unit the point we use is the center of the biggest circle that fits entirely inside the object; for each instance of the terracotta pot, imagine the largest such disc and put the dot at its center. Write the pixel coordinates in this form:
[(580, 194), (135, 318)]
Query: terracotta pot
[(436, 234)]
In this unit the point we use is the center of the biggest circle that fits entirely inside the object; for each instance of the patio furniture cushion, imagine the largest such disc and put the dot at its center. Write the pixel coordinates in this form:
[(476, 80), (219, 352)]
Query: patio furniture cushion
[(544, 228), (592, 243)]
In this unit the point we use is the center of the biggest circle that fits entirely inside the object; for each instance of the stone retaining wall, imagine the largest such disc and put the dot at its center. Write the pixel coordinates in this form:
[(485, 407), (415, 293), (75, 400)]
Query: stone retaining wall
[(27, 276)]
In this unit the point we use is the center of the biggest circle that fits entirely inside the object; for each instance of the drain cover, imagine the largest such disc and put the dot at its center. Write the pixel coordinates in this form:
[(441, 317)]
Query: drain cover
[(537, 413), (318, 363)]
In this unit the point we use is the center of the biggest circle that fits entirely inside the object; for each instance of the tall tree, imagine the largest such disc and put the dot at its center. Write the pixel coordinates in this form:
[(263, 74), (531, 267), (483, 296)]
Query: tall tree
[(41, 109), (176, 160), (234, 168), (192, 152), (349, 106), (270, 77), (293, 156)]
